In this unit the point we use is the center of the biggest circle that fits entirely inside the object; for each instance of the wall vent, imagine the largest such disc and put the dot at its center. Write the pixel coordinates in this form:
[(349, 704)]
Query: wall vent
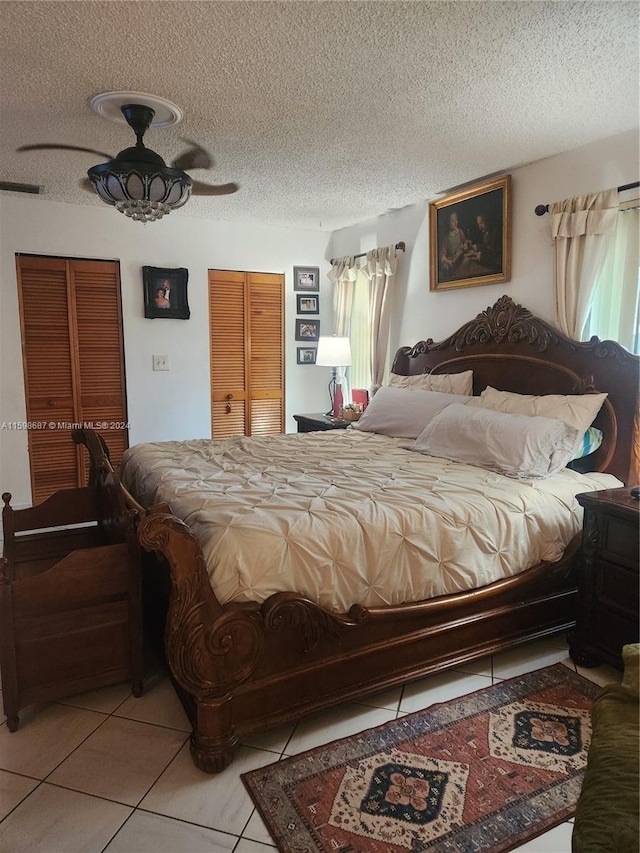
[(20, 188)]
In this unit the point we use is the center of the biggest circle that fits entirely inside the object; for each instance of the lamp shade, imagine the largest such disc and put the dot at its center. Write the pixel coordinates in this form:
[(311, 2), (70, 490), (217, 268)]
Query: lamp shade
[(333, 351)]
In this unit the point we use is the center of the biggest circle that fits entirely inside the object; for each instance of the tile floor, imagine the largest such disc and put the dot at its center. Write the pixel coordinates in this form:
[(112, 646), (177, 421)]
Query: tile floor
[(149, 798)]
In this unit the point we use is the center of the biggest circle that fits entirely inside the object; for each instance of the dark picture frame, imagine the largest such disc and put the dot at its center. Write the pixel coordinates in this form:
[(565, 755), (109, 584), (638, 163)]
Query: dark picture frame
[(306, 279), (307, 330), (165, 293), (306, 355), (307, 304), (470, 236)]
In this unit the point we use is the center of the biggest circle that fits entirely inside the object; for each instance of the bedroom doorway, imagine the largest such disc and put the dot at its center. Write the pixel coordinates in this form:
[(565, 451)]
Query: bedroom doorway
[(246, 327), (73, 360)]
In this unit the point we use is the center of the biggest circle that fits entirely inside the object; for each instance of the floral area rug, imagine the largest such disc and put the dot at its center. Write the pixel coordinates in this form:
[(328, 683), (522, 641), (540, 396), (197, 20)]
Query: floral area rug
[(485, 772)]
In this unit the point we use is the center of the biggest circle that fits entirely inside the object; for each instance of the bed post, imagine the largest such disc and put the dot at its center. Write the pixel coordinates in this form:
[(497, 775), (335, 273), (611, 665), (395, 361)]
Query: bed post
[(210, 648)]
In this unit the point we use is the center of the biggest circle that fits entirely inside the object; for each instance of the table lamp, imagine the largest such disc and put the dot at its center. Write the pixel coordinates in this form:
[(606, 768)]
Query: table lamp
[(334, 352)]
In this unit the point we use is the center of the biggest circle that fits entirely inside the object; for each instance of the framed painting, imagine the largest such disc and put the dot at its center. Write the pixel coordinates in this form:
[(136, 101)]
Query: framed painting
[(165, 293), (306, 278), (308, 304), (470, 236), (307, 330), (306, 355)]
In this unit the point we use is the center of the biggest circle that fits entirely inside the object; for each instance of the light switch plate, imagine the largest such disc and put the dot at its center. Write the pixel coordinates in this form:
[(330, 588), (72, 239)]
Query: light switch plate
[(161, 362)]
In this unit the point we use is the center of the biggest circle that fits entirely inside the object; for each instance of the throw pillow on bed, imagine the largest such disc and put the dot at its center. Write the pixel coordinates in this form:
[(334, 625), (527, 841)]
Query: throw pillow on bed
[(448, 383), (400, 413), (515, 445)]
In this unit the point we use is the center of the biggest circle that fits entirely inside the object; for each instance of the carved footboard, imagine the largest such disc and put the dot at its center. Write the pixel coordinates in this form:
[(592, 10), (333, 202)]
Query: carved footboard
[(250, 667)]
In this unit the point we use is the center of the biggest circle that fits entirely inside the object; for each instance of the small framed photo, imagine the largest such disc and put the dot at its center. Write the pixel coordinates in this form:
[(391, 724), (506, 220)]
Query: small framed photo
[(165, 293), (470, 236), (307, 330), (306, 278), (307, 355), (308, 304)]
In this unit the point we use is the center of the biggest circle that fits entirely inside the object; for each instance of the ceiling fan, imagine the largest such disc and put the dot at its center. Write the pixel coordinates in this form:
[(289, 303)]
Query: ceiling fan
[(138, 182)]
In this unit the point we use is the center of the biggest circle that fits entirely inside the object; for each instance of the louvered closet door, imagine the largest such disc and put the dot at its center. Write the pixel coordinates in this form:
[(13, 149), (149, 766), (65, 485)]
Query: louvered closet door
[(73, 364), (266, 322), (228, 323), (247, 353)]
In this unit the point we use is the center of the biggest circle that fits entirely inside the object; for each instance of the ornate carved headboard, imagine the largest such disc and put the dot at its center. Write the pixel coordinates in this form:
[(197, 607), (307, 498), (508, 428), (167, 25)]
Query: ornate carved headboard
[(509, 348)]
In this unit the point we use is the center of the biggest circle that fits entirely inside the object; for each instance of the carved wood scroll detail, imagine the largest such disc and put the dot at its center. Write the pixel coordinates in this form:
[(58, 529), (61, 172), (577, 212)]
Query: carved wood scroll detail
[(285, 609), (210, 648)]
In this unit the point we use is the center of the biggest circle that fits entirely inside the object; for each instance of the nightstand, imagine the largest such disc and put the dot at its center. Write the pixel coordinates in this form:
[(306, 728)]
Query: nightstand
[(607, 616), (313, 423)]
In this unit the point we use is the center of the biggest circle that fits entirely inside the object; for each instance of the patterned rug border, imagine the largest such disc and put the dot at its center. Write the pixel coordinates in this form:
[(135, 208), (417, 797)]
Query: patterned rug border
[(434, 717)]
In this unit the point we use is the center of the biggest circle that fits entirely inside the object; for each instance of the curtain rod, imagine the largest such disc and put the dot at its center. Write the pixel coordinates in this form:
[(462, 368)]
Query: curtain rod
[(541, 209), (399, 246)]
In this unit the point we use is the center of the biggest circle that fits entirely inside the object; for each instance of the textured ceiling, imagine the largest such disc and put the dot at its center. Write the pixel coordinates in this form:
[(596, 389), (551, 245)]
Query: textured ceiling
[(325, 113)]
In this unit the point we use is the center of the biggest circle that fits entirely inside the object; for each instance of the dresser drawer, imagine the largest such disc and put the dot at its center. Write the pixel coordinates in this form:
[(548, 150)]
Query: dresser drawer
[(617, 585), (619, 541), (610, 629)]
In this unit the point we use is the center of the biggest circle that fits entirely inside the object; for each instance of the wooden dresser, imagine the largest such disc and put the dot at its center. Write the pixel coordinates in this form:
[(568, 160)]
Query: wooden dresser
[(607, 617)]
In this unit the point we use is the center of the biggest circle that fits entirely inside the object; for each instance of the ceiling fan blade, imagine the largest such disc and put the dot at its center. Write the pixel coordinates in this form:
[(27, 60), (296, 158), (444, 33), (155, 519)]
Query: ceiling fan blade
[(86, 184), (196, 158), (56, 147), (199, 188)]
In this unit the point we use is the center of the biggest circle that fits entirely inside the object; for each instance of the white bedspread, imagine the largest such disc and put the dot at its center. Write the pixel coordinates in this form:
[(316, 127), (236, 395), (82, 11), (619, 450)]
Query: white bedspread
[(344, 517)]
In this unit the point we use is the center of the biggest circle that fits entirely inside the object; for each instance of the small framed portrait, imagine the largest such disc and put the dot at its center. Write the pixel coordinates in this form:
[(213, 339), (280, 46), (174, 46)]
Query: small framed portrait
[(308, 304), (470, 236), (307, 330), (306, 278), (165, 293), (307, 355)]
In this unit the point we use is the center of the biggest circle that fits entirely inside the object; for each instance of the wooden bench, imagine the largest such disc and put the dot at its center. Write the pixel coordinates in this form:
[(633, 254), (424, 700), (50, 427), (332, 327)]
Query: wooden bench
[(70, 594)]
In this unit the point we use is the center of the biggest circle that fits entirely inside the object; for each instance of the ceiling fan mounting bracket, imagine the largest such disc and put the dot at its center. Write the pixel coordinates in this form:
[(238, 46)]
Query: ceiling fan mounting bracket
[(138, 117)]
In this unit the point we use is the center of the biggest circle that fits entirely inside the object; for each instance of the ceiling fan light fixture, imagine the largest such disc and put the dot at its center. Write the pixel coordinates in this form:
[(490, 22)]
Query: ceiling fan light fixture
[(141, 193)]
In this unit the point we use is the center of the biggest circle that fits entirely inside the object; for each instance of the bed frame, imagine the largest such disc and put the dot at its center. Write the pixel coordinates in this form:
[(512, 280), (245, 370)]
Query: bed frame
[(245, 668)]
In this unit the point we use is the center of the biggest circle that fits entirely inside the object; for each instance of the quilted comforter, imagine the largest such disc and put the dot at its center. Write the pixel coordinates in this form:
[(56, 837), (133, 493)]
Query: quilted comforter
[(345, 517)]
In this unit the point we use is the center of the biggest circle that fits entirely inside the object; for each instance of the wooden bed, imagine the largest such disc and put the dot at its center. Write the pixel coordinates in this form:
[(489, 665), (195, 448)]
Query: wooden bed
[(247, 667)]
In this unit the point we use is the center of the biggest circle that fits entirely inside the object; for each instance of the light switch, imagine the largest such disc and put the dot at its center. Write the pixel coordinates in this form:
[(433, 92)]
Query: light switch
[(161, 362)]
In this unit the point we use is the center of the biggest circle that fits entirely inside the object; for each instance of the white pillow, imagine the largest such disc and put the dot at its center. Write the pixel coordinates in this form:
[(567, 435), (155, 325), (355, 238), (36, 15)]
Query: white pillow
[(403, 414), (514, 445), (578, 410), (448, 383)]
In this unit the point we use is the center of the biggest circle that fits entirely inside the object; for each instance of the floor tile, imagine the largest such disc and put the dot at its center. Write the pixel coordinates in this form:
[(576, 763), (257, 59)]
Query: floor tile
[(525, 659), (557, 840), (158, 704), (601, 675), (130, 757), (53, 820), (153, 833), (482, 666), (106, 699), (219, 801), (256, 830), (274, 740), (440, 688), (13, 788), (46, 736), (247, 846), (337, 723), (386, 699)]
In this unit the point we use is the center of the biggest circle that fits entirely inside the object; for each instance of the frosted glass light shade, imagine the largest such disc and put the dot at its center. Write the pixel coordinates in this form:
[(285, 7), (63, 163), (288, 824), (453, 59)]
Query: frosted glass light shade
[(333, 351)]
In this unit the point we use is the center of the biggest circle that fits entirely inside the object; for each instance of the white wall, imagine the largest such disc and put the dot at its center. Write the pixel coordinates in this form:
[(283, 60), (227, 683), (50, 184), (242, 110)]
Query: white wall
[(162, 405), (420, 314)]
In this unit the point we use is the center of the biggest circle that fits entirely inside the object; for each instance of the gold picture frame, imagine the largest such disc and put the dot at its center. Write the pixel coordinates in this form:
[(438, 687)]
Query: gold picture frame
[(470, 236)]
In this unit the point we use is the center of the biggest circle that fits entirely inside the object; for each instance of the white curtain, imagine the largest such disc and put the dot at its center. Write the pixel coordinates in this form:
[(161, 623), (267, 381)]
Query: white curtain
[(343, 276), (615, 307), (581, 229), (380, 270)]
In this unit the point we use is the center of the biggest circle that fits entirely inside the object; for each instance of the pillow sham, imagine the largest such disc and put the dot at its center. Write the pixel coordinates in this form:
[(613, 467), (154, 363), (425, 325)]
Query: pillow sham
[(400, 413), (589, 443), (448, 383), (578, 410), (514, 445)]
